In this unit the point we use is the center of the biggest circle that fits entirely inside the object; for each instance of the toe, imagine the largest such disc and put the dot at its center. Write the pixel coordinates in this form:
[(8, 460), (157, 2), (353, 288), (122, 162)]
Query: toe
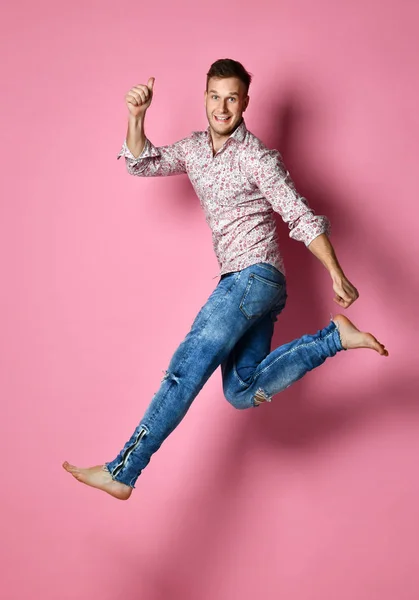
[(70, 468), (383, 350)]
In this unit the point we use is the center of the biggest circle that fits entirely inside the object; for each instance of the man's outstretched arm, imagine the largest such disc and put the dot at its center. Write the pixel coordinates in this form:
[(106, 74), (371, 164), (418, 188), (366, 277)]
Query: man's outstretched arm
[(273, 179)]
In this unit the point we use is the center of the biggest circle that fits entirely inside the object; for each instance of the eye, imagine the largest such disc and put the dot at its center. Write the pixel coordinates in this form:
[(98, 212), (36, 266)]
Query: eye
[(232, 99), (214, 97)]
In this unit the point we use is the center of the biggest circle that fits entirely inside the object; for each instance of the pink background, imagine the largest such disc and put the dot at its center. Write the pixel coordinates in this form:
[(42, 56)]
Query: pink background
[(317, 495)]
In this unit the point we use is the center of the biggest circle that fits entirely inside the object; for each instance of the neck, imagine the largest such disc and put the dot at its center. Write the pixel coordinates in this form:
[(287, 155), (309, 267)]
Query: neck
[(219, 140)]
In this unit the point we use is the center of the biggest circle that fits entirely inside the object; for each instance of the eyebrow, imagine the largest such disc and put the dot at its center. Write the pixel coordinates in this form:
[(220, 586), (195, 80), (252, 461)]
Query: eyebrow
[(230, 94)]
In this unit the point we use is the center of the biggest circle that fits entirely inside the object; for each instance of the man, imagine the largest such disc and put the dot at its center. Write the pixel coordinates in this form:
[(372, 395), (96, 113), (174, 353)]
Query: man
[(240, 184)]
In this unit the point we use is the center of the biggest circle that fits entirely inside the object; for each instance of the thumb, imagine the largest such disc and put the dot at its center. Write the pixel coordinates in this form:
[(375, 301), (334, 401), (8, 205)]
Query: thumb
[(150, 83), (345, 295), (339, 300), (342, 293)]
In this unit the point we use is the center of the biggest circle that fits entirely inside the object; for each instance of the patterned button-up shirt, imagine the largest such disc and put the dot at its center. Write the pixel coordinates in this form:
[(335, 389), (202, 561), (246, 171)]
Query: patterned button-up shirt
[(239, 188)]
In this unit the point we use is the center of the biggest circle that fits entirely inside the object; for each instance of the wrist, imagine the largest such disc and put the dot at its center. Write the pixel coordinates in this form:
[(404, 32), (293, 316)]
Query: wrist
[(336, 273), (136, 120)]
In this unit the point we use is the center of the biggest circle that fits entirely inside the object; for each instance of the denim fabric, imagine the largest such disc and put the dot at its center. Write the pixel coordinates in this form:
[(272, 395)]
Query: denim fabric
[(233, 329)]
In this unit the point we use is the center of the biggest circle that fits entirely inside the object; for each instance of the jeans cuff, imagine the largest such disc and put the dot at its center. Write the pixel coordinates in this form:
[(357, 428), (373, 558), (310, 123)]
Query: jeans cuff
[(334, 327)]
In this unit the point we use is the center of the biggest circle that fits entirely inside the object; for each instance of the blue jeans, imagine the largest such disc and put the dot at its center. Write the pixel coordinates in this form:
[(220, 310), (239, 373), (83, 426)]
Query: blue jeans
[(233, 329)]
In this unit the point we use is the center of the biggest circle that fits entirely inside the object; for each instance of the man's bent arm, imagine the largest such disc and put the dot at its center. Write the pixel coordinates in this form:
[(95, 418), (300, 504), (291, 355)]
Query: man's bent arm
[(142, 158)]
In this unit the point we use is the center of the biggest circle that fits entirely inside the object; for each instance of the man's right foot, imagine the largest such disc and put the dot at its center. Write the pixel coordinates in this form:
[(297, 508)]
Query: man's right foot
[(351, 337), (100, 478)]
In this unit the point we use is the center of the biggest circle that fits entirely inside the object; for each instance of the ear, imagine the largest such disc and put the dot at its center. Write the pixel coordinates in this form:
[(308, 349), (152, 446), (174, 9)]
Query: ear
[(205, 97), (246, 103)]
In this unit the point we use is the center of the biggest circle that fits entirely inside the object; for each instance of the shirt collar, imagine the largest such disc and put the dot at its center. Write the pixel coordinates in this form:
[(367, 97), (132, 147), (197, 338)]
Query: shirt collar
[(239, 134)]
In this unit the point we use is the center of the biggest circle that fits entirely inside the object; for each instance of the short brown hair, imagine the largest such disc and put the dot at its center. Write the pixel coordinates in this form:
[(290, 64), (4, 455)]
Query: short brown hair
[(226, 67)]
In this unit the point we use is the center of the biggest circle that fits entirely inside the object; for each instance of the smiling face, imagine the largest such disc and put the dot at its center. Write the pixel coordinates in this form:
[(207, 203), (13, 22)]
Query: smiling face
[(226, 100)]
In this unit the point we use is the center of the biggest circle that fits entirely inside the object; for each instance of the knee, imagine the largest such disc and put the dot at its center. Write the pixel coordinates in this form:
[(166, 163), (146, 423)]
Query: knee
[(230, 392), (237, 399), (236, 402), (243, 399), (261, 396)]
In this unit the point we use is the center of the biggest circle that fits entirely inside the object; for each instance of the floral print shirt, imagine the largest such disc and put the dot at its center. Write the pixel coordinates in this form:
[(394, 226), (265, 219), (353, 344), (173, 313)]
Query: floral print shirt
[(239, 189)]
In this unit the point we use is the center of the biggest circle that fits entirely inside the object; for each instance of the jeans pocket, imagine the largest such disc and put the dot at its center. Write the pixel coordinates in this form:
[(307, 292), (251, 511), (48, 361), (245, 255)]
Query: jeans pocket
[(260, 296), (279, 307)]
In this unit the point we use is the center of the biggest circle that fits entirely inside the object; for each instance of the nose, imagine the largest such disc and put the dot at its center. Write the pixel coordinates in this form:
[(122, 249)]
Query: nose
[(223, 106)]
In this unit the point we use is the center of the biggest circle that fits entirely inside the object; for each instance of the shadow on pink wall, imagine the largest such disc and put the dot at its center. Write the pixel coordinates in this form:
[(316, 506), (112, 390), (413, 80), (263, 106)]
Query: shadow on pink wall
[(291, 422)]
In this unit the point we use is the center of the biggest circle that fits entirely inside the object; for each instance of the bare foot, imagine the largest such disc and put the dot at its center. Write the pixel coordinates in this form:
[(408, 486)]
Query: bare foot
[(351, 337), (100, 478)]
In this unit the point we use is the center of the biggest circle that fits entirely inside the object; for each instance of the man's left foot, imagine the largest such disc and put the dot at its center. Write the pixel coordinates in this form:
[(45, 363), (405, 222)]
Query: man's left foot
[(100, 478), (351, 337)]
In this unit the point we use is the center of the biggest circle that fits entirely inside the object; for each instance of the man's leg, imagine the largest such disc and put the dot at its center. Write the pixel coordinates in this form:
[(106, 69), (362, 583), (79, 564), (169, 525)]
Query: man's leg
[(239, 368), (252, 374), (238, 301)]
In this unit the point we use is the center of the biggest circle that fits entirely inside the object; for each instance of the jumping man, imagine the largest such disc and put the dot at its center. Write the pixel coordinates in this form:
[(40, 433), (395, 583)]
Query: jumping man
[(240, 184)]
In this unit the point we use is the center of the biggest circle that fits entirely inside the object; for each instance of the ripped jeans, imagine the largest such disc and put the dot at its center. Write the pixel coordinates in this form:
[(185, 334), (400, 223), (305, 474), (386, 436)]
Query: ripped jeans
[(233, 329)]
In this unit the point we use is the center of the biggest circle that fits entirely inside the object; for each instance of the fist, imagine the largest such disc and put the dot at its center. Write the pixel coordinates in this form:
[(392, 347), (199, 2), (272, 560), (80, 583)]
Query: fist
[(345, 292), (139, 98)]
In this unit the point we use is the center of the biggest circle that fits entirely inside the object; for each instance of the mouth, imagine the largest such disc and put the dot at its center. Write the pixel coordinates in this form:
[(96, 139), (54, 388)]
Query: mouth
[(222, 119)]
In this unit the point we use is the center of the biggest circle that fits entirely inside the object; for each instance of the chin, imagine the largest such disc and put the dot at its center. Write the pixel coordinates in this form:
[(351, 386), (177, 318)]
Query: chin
[(223, 130)]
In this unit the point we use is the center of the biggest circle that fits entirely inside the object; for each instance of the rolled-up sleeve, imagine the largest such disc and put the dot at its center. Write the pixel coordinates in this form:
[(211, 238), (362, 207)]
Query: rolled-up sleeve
[(155, 162), (275, 183)]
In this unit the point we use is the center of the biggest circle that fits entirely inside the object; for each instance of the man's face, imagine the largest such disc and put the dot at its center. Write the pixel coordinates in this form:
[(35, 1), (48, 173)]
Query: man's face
[(225, 102)]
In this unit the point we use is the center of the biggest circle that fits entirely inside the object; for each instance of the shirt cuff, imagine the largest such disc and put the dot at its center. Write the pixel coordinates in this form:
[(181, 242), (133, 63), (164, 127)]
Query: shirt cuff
[(321, 225), (309, 228), (148, 152)]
